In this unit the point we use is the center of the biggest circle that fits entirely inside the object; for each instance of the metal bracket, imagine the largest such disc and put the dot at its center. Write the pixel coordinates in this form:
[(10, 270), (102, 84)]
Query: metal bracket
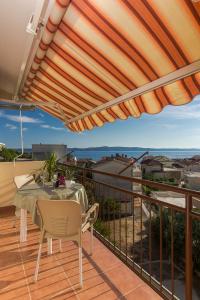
[(62, 113), (30, 27)]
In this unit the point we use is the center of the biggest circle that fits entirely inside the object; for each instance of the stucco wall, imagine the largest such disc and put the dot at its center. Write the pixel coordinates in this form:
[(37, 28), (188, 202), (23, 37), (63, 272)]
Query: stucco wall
[(168, 174), (192, 182), (148, 170), (7, 172)]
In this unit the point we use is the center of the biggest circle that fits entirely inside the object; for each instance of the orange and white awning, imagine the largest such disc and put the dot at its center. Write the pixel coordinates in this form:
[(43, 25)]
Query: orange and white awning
[(102, 60)]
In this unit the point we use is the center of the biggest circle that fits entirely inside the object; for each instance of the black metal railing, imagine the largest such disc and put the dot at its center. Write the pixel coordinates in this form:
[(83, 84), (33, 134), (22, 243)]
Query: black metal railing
[(158, 240)]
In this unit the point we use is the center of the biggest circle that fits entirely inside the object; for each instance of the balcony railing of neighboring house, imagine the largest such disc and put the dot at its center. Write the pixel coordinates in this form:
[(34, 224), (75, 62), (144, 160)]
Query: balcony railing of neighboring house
[(157, 240)]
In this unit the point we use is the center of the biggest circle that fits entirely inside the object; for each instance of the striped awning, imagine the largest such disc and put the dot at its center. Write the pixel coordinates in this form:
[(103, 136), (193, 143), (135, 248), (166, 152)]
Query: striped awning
[(102, 60)]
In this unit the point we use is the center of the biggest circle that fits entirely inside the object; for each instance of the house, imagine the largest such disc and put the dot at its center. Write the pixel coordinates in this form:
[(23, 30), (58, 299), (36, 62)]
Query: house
[(193, 167), (168, 174), (161, 168), (192, 180), (164, 160), (44, 151), (169, 197), (150, 166), (114, 166), (177, 199), (189, 164)]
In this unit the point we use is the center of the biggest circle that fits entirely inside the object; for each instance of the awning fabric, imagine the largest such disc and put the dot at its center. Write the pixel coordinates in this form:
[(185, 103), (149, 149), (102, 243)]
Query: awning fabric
[(95, 51)]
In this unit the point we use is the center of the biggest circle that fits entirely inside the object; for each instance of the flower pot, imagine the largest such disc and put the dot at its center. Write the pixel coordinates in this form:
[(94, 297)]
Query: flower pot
[(68, 183)]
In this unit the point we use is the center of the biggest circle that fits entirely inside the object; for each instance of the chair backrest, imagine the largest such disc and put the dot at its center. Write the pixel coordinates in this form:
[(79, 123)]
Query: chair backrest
[(60, 218), (22, 180)]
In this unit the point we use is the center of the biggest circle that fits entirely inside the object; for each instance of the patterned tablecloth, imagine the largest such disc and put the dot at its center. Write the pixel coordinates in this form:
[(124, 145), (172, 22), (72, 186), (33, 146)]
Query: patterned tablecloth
[(26, 197)]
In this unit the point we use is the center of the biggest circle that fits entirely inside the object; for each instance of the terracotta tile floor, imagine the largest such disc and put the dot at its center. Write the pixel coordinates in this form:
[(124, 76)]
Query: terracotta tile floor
[(105, 276)]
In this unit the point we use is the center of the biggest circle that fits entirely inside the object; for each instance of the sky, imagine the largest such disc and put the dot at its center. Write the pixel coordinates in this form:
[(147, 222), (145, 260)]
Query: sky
[(174, 127)]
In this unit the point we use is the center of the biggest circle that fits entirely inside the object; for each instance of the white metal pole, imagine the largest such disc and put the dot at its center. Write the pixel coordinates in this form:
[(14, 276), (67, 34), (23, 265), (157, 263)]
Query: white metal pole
[(21, 135)]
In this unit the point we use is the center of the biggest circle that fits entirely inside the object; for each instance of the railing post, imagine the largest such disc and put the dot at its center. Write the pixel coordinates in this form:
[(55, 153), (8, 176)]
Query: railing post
[(188, 249), (84, 177)]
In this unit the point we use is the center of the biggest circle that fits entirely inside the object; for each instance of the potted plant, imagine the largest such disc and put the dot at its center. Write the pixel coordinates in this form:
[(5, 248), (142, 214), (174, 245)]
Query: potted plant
[(69, 176), (50, 167)]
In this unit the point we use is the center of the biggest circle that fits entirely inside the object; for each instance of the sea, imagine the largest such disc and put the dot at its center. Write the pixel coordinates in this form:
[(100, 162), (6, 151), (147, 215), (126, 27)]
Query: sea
[(96, 154)]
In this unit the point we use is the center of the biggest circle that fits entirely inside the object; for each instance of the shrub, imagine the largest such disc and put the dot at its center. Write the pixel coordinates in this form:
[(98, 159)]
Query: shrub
[(102, 228), (8, 154), (179, 236)]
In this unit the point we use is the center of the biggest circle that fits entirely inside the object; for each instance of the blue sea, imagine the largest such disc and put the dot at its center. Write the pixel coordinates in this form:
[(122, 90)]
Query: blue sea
[(96, 155)]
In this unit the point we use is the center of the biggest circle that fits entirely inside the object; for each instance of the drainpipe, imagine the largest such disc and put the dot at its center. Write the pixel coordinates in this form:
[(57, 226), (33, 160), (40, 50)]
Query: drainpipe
[(21, 135)]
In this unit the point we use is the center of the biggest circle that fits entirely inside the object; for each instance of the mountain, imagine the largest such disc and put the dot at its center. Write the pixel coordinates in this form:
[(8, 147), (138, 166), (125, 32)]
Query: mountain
[(120, 148)]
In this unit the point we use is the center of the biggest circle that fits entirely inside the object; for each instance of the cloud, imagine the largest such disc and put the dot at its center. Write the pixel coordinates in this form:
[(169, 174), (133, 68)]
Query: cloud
[(25, 119), (51, 127), (189, 111), (10, 126), (13, 127), (16, 118)]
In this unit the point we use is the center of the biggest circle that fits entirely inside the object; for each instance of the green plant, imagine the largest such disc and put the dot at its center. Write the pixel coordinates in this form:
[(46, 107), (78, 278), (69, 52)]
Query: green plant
[(101, 228), (179, 236), (110, 207), (8, 154), (50, 166), (90, 190), (69, 173), (146, 190)]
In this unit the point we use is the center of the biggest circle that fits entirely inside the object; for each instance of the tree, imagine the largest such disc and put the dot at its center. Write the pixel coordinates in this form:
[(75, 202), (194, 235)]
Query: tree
[(179, 235), (8, 154)]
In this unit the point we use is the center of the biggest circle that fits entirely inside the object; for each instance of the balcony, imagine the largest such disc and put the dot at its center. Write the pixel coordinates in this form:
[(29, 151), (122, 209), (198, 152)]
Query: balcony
[(135, 249), (105, 276)]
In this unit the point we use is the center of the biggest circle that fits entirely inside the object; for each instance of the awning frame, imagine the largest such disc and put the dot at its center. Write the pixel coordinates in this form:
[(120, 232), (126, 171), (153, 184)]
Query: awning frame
[(39, 19), (160, 82)]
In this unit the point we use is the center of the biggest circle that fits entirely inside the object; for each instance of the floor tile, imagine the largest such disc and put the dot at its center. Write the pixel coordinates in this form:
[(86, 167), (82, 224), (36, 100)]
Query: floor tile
[(105, 276), (142, 293)]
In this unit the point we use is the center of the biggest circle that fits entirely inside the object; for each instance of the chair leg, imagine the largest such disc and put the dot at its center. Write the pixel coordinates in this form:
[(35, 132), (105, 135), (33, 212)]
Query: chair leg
[(80, 267), (91, 239), (60, 245), (23, 225), (38, 263), (50, 246)]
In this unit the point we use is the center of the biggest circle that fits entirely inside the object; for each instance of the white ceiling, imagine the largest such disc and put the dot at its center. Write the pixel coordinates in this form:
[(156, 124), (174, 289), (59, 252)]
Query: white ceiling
[(14, 17)]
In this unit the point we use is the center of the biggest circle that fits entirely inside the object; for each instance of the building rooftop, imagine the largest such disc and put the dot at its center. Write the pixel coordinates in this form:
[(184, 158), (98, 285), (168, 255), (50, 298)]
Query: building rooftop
[(117, 160), (151, 162), (193, 174), (171, 169), (170, 197), (105, 276)]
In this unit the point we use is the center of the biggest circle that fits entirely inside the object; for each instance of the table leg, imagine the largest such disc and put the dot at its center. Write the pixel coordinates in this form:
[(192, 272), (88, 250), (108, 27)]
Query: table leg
[(50, 248), (23, 225)]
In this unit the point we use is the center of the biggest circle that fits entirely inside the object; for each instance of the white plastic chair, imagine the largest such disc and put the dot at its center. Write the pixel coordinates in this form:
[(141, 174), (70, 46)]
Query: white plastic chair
[(61, 219), (21, 180), (88, 220)]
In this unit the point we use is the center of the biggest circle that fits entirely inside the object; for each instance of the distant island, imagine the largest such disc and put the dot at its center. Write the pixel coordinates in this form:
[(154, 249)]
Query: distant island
[(121, 148)]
